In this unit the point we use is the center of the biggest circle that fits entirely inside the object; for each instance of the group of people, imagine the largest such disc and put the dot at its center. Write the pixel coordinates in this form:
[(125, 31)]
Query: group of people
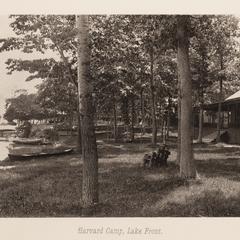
[(157, 159)]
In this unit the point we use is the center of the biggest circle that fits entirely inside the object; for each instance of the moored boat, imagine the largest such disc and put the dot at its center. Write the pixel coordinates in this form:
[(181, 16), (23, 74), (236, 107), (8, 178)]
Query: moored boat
[(21, 153), (3, 139), (28, 141)]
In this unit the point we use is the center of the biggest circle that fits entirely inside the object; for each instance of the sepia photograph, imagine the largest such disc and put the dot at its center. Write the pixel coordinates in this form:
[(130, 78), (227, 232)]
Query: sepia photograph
[(119, 116)]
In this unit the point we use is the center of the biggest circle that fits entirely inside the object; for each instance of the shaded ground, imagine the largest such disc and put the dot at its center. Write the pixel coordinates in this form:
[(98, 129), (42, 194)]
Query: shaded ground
[(51, 187)]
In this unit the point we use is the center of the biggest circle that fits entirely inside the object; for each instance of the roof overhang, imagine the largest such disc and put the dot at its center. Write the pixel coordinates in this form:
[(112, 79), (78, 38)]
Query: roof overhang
[(226, 105)]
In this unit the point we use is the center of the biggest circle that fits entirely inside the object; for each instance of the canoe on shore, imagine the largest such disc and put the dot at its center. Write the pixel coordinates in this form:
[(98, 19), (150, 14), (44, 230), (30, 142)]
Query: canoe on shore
[(29, 141), (24, 153), (3, 139)]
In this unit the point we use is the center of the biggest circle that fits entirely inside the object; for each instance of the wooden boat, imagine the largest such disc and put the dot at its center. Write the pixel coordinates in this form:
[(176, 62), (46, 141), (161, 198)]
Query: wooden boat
[(3, 139), (28, 141), (28, 153)]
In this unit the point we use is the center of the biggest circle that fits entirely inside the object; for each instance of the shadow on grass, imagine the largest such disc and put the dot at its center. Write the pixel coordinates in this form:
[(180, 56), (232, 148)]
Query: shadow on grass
[(43, 192), (224, 167), (52, 187), (28, 172), (116, 148), (111, 149), (207, 203), (55, 190), (125, 189), (212, 149)]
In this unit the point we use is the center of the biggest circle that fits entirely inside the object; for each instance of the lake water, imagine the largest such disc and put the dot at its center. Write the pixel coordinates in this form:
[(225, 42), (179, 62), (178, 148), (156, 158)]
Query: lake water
[(3, 150)]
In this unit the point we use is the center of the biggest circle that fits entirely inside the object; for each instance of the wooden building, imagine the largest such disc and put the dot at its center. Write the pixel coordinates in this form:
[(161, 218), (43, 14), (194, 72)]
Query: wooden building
[(230, 116)]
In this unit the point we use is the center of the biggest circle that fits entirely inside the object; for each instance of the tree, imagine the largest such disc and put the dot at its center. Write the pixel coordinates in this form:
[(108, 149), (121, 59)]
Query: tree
[(200, 51), (153, 33), (23, 107), (89, 146), (187, 165), (224, 42), (214, 55), (166, 74), (42, 33), (116, 63), (57, 95)]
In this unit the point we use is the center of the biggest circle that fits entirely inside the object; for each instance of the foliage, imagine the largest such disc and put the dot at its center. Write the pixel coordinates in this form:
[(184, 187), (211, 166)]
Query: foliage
[(24, 130), (23, 107), (224, 52), (51, 134), (120, 59), (56, 94)]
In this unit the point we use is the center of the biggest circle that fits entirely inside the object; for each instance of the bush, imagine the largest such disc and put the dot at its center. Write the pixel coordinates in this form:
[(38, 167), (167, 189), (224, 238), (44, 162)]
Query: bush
[(51, 134), (24, 130), (37, 133)]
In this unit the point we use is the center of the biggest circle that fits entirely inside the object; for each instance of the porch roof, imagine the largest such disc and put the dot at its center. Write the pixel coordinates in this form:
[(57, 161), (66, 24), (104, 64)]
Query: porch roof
[(233, 99)]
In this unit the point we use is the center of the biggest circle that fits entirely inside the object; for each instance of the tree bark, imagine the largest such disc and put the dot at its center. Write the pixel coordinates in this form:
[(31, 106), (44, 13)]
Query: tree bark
[(200, 116), (219, 122), (164, 131), (179, 122), (89, 146), (132, 118), (153, 107), (142, 112), (115, 133), (187, 164), (79, 135), (200, 127), (125, 113), (168, 117), (162, 127)]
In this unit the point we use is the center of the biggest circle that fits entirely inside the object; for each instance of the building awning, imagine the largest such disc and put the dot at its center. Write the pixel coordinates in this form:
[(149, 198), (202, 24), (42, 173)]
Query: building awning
[(234, 97), (226, 104)]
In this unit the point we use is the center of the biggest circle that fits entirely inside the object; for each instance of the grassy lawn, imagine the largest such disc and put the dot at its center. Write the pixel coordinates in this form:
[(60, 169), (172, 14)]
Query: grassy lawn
[(51, 187)]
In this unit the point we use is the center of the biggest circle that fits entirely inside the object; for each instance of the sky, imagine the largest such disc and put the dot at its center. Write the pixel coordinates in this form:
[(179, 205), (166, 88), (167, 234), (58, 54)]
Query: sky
[(10, 83)]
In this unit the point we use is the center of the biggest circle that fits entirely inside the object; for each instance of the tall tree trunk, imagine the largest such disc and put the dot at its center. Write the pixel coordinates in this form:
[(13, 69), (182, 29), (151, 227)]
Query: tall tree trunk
[(200, 122), (70, 123), (153, 107), (132, 118), (187, 164), (162, 127), (168, 117), (179, 122), (125, 113), (115, 133), (164, 131), (79, 135), (200, 127), (89, 146), (142, 112), (219, 122)]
